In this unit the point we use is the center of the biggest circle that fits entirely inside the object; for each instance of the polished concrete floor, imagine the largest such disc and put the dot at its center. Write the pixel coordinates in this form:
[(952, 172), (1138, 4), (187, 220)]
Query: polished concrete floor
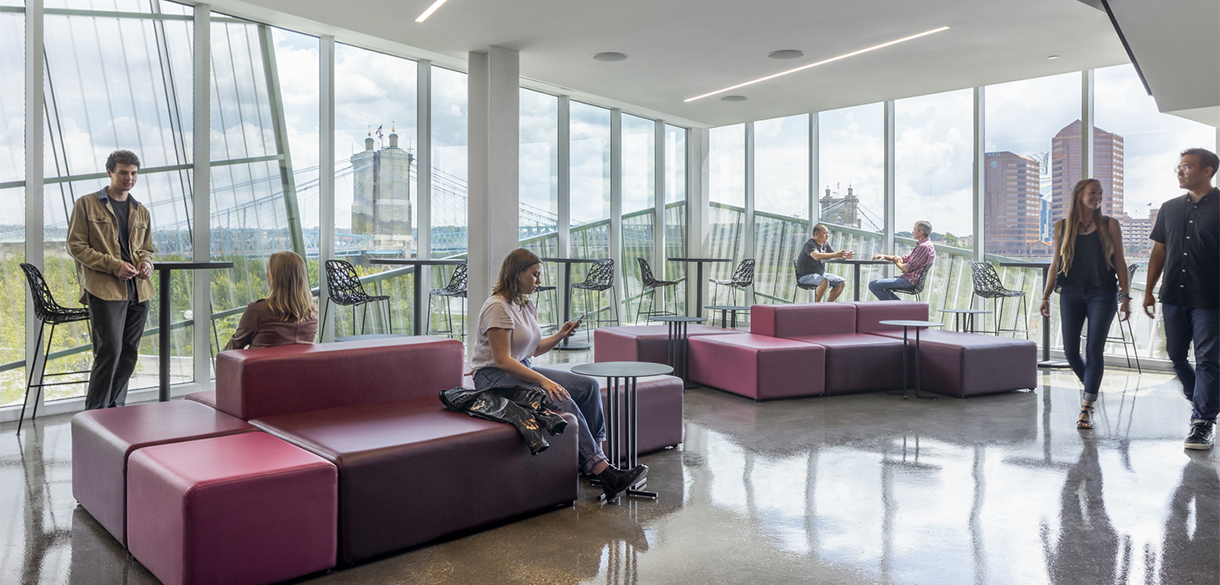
[(852, 489)]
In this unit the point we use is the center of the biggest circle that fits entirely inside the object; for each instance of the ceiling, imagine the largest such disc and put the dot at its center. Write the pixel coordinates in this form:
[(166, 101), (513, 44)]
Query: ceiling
[(683, 48)]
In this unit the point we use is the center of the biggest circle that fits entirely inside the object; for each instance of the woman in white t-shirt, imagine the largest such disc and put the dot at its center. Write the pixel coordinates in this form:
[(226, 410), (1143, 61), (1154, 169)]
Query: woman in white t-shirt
[(508, 336)]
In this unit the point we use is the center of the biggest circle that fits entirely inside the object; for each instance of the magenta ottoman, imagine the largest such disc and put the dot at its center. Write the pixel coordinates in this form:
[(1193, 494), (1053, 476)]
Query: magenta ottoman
[(206, 398), (102, 441), (966, 364), (642, 343), (757, 366), (242, 509)]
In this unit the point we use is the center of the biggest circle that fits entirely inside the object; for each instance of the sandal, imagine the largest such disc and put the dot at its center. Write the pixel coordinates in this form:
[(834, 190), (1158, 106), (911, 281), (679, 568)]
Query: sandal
[(1085, 422)]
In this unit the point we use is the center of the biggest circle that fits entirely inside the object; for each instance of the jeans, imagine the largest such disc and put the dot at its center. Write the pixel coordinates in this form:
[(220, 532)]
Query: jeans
[(1200, 384), (1097, 305), (585, 404), (116, 327), (882, 289), (832, 280)]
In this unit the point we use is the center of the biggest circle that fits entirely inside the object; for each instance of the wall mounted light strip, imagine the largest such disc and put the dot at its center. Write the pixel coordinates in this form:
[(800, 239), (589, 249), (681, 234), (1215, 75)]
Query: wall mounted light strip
[(430, 10), (830, 60)]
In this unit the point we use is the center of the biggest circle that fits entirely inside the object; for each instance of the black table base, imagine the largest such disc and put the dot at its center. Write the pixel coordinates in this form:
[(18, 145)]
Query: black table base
[(905, 385)]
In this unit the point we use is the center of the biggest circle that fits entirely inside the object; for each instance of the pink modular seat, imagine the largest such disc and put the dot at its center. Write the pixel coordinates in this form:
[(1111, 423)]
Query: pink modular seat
[(206, 398), (968, 364), (659, 421), (642, 343), (758, 366), (411, 471), (240, 509), (833, 326), (104, 440)]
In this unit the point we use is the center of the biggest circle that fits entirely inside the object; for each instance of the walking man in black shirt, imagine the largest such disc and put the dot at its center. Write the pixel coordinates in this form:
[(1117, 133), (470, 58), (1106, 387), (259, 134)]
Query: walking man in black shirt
[(109, 236), (1187, 251)]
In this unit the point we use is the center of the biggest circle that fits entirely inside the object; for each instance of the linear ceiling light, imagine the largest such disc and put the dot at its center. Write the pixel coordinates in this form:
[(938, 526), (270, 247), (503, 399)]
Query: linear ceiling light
[(430, 10), (830, 60)]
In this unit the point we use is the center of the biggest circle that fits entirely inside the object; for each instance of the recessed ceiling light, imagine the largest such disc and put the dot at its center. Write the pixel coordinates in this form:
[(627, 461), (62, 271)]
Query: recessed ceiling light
[(823, 62), (1053, 57), (430, 10), (786, 54), (734, 98), (610, 57)]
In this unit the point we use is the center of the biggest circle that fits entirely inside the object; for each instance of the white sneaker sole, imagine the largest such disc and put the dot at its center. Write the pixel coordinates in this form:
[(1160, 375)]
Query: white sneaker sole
[(1198, 446)]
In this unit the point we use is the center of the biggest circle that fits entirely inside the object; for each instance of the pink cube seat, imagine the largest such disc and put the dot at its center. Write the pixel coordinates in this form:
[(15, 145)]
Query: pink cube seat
[(757, 366), (860, 363), (241, 509), (967, 364), (869, 314), (642, 343), (206, 397), (103, 440)]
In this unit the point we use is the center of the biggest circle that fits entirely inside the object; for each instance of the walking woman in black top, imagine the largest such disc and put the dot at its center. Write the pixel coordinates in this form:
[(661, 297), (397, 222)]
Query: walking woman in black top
[(1088, 268)]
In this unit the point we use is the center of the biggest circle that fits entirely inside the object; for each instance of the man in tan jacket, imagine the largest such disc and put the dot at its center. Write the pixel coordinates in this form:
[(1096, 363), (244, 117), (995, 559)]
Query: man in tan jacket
[(109, 236)]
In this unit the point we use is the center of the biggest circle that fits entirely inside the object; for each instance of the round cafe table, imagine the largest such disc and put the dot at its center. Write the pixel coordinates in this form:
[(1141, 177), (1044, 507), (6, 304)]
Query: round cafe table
[(916, 325), (678, 350)]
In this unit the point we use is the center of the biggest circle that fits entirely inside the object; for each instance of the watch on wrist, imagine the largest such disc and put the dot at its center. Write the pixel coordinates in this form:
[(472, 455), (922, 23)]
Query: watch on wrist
[(1125, 296)]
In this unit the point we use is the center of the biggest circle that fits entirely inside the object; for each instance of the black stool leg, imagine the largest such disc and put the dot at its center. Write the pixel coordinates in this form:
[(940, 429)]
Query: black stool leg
[(30, 382)]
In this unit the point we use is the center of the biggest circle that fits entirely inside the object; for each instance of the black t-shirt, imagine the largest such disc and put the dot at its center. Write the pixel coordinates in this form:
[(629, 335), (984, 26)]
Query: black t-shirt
[(806, 264), (122, 211), (1191, 234)]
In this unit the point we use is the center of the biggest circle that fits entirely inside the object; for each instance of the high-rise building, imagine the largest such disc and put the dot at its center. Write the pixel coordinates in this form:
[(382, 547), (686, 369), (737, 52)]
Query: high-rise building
[(381, 194), (1012, 205), (1137, 234), (1067, 169)]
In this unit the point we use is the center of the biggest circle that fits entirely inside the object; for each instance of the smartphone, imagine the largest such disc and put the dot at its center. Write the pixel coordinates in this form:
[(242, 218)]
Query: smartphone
[(581, 317)]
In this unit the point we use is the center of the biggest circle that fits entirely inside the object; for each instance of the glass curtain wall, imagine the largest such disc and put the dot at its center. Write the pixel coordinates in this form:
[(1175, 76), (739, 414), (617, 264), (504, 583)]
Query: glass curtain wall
[(675, 213), (727, 193), (781, 203), (538, 186), (375, 188), (639, 211), (933, 181), (12, 213), (851, 196), (89, 115), (589, 176), (449, 190)]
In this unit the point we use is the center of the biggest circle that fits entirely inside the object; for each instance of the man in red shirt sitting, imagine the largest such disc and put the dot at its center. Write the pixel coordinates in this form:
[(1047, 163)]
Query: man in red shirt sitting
[(912, 265)]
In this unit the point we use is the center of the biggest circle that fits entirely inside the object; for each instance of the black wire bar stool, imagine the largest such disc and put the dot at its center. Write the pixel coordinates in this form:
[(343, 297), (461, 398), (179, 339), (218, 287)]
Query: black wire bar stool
[(650, 285), (987, 285), (600, 279), (48, 312), (346, 290), (743, 278), (455, 289)]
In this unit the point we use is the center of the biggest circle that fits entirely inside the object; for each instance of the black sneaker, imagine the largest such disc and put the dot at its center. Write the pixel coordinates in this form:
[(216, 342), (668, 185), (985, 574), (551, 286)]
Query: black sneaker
[(1201, 435), (615, 481)]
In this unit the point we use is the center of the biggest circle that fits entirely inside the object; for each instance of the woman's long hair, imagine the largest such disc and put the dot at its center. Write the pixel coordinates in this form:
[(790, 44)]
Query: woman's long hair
[(508, 284), (289, 283), (1071, 224)]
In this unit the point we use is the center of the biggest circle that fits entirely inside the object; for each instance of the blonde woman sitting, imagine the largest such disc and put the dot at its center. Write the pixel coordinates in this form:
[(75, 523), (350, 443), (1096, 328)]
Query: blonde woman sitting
[(288, 315)]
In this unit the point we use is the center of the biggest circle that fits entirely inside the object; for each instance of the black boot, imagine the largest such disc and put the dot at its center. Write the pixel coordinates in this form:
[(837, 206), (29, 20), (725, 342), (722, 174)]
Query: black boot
[(615, 481)]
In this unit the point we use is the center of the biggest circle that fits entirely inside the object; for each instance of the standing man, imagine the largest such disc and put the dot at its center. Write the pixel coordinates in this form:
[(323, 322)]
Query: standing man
[(912, 265), (809, 268), (1186, 249), (109, 237)]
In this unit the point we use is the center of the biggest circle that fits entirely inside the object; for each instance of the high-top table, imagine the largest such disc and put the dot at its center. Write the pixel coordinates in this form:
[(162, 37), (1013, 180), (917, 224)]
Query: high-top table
[(627, 372), (917, 325), (856, 264), (699, 262), (677, 350), (417, 263), (1046, 362), (566, 344), (164, 269), (965, 317)]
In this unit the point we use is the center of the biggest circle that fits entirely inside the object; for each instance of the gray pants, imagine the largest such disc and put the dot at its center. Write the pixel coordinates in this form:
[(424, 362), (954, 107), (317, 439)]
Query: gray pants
[(116, 329)]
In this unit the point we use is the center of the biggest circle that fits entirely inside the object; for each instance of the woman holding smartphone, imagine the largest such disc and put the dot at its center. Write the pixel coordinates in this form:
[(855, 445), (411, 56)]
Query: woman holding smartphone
[(1088, 269), (508, 336)]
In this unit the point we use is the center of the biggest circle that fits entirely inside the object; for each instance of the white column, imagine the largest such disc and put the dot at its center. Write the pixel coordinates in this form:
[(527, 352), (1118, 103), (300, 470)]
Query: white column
[(815, 207), (980, 159), (888, 131), (563, 162), (658, 199), (1086, 124), (698, 201), (201, 186), (34, 221), (493, 169), (748, 232), (326, 174), (616, 212), (423, 175)]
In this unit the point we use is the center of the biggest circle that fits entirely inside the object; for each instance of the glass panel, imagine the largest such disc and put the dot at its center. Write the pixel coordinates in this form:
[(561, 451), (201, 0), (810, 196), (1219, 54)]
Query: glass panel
[(1138, 147), (375, 189), (935, 135), (449, 186), (675, 212), (727, 191), (851, 167), (102, 97), (590, 198), (12, 215), (538, 184), (781, 203), (639, 211)]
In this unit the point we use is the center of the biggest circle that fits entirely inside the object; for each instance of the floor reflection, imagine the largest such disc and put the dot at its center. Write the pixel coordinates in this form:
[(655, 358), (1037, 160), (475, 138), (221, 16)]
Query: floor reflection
[(849, 489)]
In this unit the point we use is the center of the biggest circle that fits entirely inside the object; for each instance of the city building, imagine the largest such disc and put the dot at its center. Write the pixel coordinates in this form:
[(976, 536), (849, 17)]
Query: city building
[(1137, 234), (1066, 167), (1012, 205)]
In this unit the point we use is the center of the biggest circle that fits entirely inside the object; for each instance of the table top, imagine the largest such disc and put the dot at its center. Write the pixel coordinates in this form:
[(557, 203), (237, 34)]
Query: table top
[(415, 262), (573, 260), (190, 265), (679, 318), (1025, 264), (727, 307), (622, 369), (911, 323), (859, 261), (677, 259), (966, 311)]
